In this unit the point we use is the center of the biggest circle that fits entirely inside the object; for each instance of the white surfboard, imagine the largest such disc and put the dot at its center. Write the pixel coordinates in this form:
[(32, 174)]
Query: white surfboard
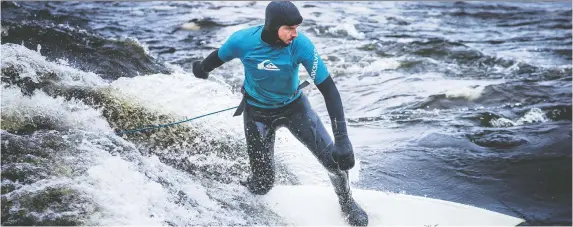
[(318, 205)]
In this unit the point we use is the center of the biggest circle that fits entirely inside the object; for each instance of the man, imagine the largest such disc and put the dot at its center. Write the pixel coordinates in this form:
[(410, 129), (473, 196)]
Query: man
[(271, 55)]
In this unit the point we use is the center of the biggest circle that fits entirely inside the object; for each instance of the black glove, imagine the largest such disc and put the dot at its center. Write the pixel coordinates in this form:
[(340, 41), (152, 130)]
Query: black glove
[(342, 154), (198, 70)]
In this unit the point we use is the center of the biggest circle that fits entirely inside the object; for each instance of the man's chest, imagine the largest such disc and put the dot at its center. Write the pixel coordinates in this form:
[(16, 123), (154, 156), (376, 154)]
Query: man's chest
[(269, 61)]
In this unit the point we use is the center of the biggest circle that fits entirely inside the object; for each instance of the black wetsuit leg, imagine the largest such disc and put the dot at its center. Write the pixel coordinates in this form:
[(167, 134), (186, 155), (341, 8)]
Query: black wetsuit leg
[(260, 126), (302, 121), (307, 127)]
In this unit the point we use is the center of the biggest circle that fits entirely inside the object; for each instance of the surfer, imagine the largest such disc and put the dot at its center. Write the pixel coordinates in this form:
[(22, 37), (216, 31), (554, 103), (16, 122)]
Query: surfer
[(272, 98)]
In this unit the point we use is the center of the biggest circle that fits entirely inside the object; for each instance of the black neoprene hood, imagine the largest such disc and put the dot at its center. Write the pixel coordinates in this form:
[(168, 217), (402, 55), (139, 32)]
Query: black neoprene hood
[(279, 13)]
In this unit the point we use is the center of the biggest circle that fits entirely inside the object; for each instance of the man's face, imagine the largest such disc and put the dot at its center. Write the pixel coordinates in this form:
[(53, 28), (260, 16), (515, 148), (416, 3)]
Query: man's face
[(287, 33)]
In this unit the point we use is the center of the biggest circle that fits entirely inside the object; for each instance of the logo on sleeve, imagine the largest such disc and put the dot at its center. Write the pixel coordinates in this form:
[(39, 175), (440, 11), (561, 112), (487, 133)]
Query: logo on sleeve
[(314, 65), (267, 65)]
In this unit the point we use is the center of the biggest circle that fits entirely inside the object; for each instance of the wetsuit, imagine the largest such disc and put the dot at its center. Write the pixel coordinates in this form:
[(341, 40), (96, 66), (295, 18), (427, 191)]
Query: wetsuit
[(273, 100)]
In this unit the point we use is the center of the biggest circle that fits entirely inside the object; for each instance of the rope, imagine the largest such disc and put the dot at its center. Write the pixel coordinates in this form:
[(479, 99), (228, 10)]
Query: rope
[(170, 124)]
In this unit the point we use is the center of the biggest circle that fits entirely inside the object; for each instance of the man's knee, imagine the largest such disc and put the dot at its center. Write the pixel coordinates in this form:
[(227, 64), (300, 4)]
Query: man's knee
[(332, 168)]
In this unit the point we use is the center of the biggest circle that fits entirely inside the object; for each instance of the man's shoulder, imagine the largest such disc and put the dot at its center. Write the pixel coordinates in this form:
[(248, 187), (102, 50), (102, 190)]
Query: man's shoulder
[(302, 35), (302, 42), (246, 33)]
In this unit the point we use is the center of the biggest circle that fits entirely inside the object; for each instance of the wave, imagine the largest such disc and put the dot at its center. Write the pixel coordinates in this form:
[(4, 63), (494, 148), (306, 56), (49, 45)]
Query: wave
[(61, 158), (107, 57)]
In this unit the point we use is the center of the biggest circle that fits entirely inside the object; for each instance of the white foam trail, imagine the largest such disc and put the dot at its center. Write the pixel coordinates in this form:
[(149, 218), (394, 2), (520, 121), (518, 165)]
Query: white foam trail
[(40, 108), (468, 93), (383, 64), (163, 8), (535, 115), (33, 65), (136, 42), (130, 189), (184, 96), (346, 28), (369, 95), (502, 122), (121, 204), (428, 24), (190, 26), (131, 195)]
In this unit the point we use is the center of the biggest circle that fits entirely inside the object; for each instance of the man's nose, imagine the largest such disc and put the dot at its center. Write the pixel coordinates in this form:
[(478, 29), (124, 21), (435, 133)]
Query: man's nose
[(294, 34)]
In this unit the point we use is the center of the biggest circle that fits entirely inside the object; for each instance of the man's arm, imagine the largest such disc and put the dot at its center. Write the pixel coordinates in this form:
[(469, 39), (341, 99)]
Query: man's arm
[(201, 69), (227, 52), (343, 153), (334, 107)]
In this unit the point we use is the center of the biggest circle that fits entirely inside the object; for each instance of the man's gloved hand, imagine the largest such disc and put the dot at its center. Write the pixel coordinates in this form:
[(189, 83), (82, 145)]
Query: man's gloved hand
[(343, 154), (198, 70)]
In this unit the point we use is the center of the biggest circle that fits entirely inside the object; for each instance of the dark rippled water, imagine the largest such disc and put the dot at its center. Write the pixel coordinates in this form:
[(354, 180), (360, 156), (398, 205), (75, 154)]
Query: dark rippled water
[(463, 101)]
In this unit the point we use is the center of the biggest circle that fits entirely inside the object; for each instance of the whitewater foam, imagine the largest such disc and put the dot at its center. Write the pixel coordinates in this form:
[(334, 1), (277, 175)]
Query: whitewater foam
[(535, 115), (32, 64), (42, 110)]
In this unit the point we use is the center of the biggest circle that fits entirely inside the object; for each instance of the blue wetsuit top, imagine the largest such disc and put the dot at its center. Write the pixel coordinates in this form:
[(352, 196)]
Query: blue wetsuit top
[(271, 72)]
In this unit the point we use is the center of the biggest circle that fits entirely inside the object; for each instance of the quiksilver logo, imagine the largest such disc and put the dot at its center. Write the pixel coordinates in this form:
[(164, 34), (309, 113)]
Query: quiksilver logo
[(267, 65), (314, 65)]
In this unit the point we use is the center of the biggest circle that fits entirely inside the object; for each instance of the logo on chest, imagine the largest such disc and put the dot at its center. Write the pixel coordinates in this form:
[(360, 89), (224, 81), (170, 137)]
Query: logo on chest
[(267, 65)]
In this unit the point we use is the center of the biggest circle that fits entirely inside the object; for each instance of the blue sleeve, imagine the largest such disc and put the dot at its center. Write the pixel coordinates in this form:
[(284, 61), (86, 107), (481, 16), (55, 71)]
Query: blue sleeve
[(310, 59), (230, 48)]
